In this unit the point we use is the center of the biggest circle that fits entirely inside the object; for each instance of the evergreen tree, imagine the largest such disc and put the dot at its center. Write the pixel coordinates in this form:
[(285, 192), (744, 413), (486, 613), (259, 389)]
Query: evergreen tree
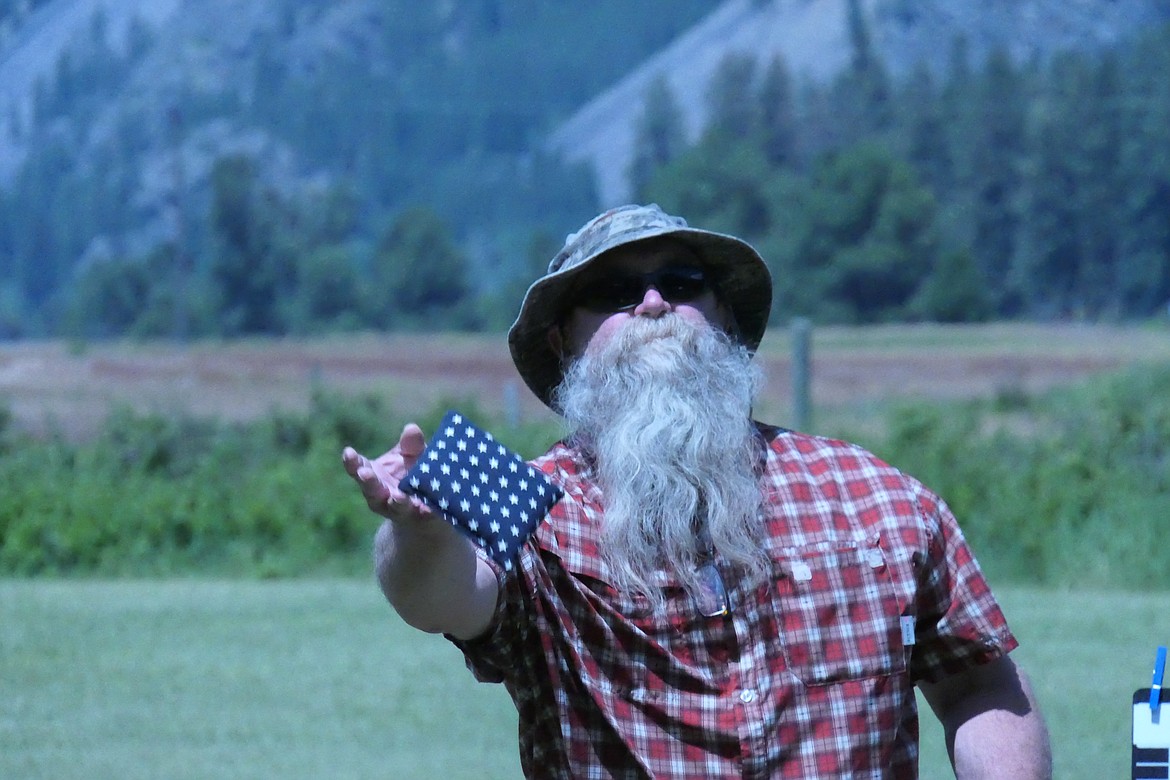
[(1047, 261), (856, 241), (327, 293), (251, 265), (733, 111), (861, 95), (954, 291), (777, 112), (1098, 116), (421, 277), (718, 183), (924, 135), (659, 135), (996, 147), (1143, 270)]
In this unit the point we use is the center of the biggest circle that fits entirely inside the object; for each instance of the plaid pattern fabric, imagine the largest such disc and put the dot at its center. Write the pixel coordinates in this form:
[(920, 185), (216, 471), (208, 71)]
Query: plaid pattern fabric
[(807, 676)]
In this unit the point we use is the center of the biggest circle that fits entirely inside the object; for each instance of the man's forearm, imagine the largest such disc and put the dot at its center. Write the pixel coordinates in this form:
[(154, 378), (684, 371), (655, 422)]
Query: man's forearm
[(992, 722), (432, 577), (996, 730), (1000, 745)]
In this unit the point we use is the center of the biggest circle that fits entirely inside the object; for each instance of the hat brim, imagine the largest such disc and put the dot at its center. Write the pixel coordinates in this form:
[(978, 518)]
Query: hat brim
[(741, 277)]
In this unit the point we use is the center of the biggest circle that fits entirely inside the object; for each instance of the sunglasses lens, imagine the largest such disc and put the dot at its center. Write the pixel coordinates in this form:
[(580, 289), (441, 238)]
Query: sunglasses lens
[(618, 292), (613, 293), (681, 284)]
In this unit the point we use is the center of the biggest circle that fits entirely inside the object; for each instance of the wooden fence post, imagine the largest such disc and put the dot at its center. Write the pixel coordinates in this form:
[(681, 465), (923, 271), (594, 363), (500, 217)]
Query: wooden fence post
[(801, 374)]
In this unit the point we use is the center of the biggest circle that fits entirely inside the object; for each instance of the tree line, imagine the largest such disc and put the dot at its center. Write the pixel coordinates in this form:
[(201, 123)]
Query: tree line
[(996, 190)]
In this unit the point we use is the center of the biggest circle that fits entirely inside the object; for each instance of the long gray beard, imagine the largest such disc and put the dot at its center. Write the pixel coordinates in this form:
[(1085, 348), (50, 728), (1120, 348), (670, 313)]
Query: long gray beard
[(665, 410)]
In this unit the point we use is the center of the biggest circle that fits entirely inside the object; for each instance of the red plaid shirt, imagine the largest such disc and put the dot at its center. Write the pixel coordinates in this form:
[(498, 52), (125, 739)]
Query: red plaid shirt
[(810, 675)]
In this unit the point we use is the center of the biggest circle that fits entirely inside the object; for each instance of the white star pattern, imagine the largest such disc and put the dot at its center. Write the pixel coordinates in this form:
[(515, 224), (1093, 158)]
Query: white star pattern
[(487, 516)]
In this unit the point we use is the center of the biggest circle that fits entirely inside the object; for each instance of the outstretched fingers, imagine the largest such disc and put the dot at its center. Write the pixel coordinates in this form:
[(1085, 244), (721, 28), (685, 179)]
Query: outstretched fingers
[(379, 479), (374, 489)]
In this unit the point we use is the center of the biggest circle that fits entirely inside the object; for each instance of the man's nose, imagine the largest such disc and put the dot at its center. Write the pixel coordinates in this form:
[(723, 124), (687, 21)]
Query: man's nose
[(653, 304)]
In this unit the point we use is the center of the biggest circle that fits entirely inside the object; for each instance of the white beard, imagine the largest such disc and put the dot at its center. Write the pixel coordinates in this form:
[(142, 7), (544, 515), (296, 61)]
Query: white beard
[(664, 409)]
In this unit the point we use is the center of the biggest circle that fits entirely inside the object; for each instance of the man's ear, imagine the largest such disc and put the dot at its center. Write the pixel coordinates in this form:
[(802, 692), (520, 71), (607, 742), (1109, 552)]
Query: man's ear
[(556, 340), (729, 323)]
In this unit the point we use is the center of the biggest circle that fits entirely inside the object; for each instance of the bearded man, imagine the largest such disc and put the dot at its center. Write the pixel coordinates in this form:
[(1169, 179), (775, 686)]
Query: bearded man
[(712, 596)]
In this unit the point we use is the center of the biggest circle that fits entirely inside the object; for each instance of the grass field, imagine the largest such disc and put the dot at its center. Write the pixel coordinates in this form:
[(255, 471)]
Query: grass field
[(315, 679)]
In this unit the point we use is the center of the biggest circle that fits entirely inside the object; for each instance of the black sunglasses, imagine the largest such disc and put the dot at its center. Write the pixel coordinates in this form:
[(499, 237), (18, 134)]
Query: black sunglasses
[(623, 291)]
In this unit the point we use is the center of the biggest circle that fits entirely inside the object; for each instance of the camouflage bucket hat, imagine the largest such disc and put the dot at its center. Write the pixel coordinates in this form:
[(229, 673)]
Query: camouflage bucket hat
[(740, 277)]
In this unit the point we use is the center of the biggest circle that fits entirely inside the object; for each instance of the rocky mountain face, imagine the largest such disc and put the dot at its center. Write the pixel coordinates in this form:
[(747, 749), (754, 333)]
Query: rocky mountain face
[(33, 44)]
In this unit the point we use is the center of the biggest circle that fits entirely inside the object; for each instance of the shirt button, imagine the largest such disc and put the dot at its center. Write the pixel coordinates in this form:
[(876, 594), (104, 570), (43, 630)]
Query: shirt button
[(747, 696)]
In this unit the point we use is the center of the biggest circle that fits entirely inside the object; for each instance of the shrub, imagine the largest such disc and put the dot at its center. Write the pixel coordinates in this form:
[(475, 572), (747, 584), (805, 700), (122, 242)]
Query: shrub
[(1071, 489), (158, 495)]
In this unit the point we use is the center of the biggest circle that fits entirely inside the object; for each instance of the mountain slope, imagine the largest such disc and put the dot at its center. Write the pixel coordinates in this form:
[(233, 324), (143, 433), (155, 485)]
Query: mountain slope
[(812, 38), (34, 53)]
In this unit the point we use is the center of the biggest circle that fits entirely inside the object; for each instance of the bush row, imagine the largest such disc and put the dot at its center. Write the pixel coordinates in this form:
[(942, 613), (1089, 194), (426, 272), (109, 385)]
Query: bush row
[(155, 495), (1068, 488)]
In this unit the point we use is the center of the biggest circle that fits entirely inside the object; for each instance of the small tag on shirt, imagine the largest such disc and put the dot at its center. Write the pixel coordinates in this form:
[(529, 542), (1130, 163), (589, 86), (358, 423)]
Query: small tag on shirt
[(907, 630)]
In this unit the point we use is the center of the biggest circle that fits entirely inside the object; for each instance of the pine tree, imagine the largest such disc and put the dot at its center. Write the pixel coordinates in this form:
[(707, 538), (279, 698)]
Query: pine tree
[(733, 112), (924, 135), (659, 135), (862, 93), (778, 114), (421, 275), (993, 160), (1143, 268)]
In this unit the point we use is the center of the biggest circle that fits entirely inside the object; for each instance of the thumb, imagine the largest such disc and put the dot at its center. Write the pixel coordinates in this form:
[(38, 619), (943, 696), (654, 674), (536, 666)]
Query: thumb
[(411, 443)]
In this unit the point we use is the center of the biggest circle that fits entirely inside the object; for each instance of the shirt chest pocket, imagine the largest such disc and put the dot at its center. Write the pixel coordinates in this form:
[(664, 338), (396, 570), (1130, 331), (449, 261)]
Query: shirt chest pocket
[(837, 612)]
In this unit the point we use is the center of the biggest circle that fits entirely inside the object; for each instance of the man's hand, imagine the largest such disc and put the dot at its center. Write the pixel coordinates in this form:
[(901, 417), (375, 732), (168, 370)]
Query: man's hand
[(379, 479), (428, 572)]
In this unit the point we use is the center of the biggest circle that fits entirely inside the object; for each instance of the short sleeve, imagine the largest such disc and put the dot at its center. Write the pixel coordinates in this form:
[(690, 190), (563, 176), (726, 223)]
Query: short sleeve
[(959, 623), (491, 655)]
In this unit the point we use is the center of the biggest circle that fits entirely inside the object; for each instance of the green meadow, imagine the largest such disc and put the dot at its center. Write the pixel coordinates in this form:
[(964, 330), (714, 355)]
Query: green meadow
[(188, 678)]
